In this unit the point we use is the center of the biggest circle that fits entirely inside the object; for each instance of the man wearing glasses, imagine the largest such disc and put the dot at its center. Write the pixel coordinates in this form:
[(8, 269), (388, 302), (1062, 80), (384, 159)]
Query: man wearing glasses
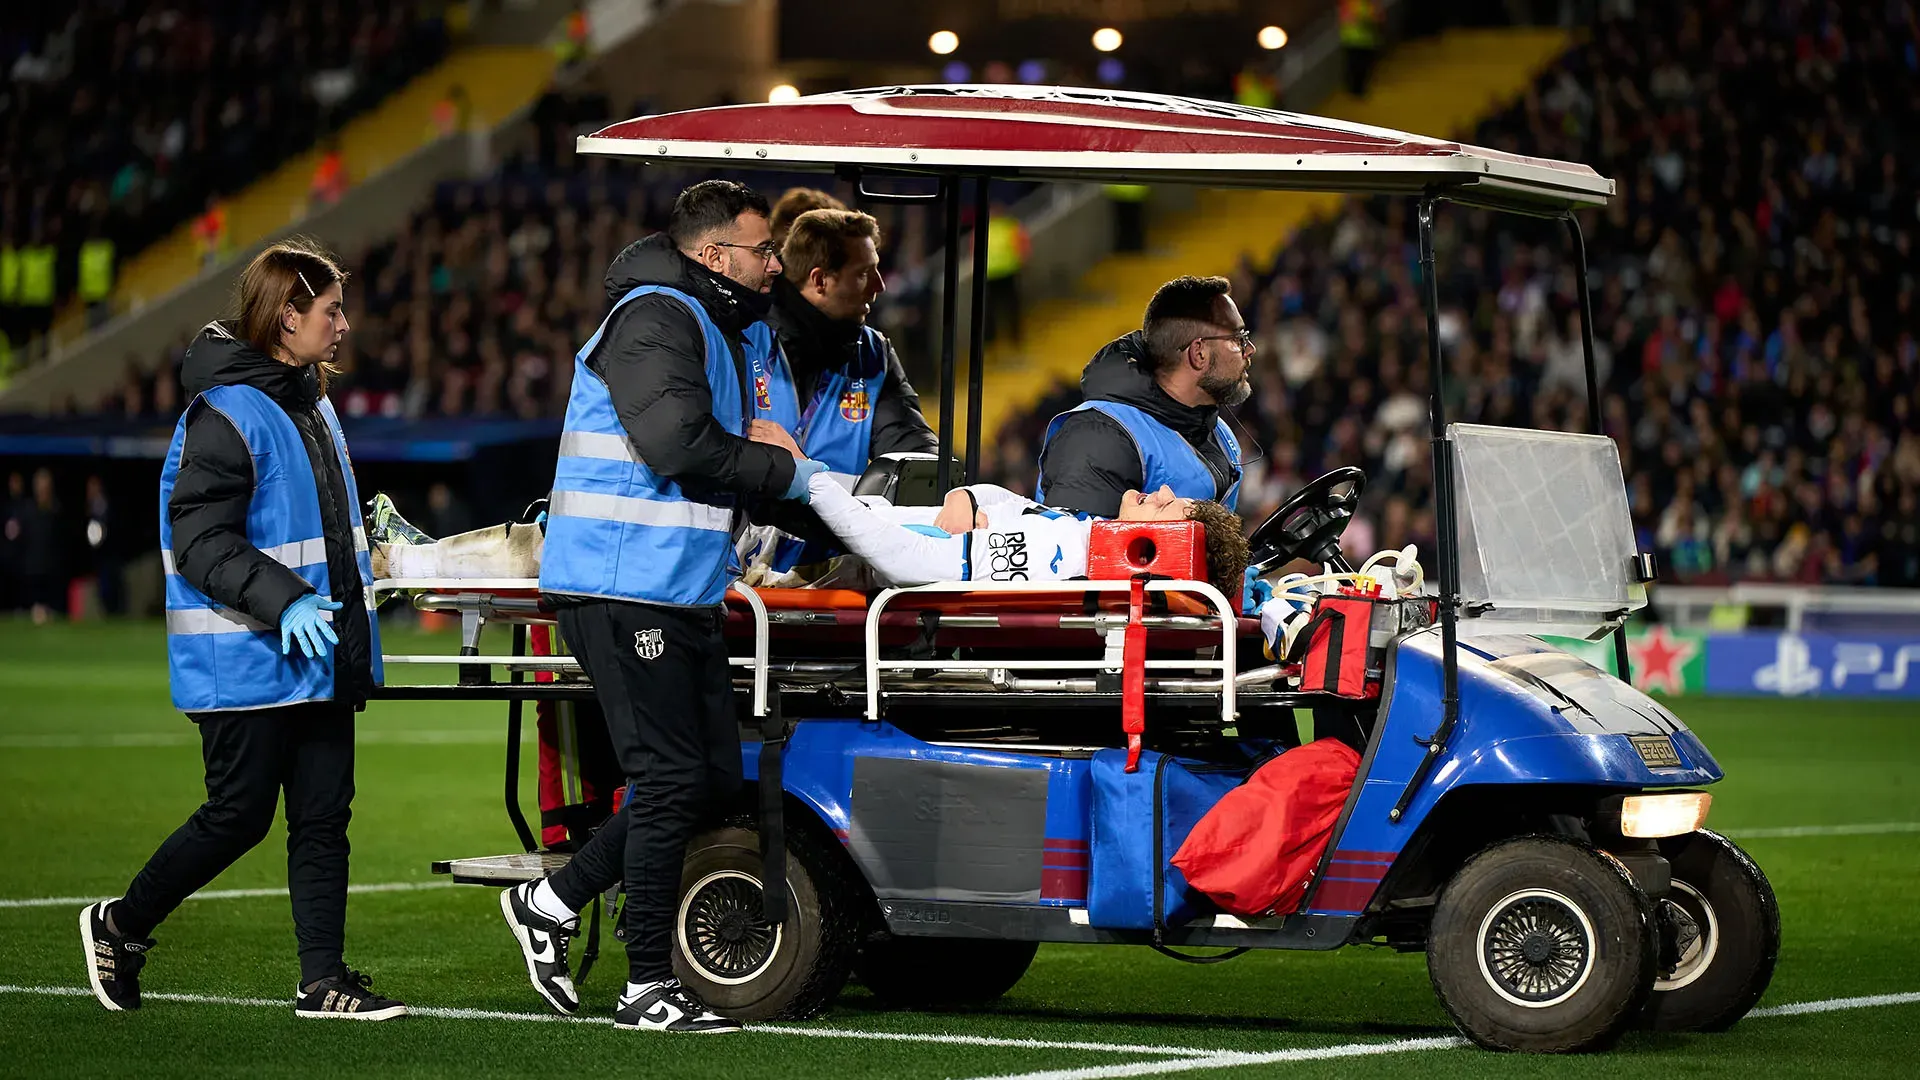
[(1152, 411), (654, 465)]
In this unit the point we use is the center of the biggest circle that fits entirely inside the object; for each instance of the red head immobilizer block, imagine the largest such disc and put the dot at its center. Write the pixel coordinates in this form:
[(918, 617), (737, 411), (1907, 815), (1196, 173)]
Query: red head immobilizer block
[(1171, 549)]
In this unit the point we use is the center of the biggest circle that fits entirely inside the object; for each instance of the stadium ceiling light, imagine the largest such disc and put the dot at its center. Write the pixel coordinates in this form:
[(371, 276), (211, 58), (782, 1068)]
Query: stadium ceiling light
[(783, 92), (943, 42), (1272, 37), (1107, 39)]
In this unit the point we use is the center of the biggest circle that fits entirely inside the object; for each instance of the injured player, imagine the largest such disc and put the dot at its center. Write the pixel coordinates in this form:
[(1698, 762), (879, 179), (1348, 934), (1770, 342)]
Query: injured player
[(987, 533)]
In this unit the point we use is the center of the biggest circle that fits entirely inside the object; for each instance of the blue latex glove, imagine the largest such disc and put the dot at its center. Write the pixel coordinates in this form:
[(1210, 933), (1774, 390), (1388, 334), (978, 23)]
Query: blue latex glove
[(1256, 592), (302, 622), (540, 519), (803, 469)]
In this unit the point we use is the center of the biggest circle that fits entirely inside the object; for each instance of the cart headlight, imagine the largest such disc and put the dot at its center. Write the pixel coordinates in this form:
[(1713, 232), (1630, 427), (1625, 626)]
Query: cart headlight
[(1672, 813)]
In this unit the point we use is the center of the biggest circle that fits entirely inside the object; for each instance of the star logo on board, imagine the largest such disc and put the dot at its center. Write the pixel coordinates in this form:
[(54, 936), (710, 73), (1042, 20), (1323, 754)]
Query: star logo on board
[(1660, 659)]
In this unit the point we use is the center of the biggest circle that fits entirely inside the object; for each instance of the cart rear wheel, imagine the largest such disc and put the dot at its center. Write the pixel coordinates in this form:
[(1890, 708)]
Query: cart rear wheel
[(739, 964), (942, 972), (1721, 930), (1542, 944)]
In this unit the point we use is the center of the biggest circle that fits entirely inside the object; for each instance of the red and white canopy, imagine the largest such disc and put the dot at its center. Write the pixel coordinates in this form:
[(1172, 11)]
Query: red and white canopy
[(1063, 133)]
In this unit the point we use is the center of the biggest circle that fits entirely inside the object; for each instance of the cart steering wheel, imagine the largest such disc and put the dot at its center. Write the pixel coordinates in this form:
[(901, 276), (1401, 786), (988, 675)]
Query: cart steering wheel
[(1308, 525)]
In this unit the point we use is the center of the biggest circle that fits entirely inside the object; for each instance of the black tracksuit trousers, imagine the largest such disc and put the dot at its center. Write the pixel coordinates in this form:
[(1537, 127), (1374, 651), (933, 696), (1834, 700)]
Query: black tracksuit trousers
[(661, 677), (251, 756)]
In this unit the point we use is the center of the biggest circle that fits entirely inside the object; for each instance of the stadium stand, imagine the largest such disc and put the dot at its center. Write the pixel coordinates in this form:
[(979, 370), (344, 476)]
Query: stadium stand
[(224, 92), (1754, 303)]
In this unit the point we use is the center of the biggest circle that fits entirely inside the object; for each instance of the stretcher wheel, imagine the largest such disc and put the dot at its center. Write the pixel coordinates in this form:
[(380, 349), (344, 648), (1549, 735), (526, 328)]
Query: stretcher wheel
[(933, 973), (1721, 924), (727, 952), (1542, 944)]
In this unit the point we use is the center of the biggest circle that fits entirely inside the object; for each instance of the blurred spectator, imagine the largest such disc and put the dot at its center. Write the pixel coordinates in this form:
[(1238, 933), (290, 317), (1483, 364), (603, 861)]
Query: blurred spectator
[(210, 235), (42, 559), (96, 274), (1359, 42), (13, 583), (452, 113), (329, 176), (447, 513), (1007, 247), (108, 548)]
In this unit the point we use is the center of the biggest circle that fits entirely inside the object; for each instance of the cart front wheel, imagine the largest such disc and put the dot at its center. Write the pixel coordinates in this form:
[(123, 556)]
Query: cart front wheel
[(737, 962), (1720, 936), (1542, 944), (933, 973)]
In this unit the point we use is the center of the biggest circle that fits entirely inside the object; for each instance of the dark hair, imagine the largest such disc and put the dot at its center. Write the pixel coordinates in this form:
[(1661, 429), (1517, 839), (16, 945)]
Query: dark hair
[(709, 206), (792, 204), (819, 239), (1226, 546), (1180, 311), (294, 271)]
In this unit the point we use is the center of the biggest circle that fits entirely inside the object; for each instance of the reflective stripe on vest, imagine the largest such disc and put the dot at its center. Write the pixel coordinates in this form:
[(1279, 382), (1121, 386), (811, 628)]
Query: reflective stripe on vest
[(615, 528), (836, 429), (220, 659), (1165, 457)]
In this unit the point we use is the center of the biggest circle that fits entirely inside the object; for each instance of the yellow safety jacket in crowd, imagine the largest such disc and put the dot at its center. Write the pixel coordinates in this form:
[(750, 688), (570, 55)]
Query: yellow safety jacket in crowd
[(1118, 193), (1252, 89), (9, 274), (1359, 24), (36, 275), (1006, 247), (96, 269)]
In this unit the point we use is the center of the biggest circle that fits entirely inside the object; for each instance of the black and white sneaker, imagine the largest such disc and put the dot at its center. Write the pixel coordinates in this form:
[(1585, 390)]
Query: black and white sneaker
[(346, 997), (669, 1006), (113, 960), (543, 944)]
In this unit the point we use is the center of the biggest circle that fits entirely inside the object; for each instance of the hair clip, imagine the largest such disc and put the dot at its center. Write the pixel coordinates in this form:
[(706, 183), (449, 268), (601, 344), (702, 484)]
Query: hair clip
[(303, 281)]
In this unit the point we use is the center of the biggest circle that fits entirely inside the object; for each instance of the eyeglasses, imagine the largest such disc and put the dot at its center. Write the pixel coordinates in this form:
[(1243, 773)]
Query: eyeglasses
[(767, 251), (1242, 338)]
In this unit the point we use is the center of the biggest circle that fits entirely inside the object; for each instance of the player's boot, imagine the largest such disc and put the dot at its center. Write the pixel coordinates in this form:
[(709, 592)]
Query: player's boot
[(113, 960), (669, 1006), (543, 945)]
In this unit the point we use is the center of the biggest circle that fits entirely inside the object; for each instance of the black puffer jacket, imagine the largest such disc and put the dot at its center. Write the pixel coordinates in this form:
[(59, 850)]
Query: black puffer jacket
[(214, 488), (816, 344), (654, 363), (1092, 460)]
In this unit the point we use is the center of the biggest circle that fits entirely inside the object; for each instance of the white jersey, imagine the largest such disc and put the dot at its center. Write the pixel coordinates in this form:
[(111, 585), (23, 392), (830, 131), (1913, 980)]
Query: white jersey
[(1022, 540)]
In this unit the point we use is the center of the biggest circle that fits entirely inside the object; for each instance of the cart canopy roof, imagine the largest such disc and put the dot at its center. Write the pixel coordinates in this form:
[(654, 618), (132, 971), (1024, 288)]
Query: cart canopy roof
[(1103, 136)]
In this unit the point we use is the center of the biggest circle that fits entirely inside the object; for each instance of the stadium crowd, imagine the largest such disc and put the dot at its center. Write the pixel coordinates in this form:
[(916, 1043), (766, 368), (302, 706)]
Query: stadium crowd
[(119, 119), (1753, 292)]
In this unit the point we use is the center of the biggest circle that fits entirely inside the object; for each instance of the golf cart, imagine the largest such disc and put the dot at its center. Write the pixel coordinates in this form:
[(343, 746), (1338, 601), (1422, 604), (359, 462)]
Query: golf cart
[(943, 777)]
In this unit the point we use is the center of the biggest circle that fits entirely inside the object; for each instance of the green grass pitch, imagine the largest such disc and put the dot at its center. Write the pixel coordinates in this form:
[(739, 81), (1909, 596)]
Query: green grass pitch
[(95, 768)]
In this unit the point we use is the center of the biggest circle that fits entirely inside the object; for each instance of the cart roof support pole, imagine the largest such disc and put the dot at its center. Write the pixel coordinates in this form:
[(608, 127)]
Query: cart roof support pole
[(977, 325), (1444, 524), (949, 300), (1595, 421)]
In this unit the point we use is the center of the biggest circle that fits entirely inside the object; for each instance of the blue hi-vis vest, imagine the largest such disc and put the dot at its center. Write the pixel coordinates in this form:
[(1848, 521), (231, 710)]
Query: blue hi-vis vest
[(217, 658), (616, 529), (835, 429), (1165, 457)]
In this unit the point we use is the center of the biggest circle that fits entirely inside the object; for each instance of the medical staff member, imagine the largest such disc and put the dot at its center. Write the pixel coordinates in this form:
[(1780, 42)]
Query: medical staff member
[(270, 646), (1153, 411), (653, 471), (835, 384)]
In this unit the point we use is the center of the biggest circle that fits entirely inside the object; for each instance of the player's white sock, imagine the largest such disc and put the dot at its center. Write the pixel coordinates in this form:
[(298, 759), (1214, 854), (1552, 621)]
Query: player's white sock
[(635, 989), (547, 902)]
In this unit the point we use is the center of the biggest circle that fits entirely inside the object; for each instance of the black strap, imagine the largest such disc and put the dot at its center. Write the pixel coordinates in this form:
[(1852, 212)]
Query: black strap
[(773, 836), (922, 647), (1160, 875), (591, 950)]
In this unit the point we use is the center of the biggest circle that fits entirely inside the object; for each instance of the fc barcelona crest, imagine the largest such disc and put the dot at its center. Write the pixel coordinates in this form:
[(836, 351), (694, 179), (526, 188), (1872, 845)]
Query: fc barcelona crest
[(649, 644), (854, 406), (762, 395)]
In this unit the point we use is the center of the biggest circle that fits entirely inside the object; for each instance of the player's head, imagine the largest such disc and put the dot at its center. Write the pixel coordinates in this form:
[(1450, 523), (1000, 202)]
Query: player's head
[(1225, 534), (723, 226), (833, 258)]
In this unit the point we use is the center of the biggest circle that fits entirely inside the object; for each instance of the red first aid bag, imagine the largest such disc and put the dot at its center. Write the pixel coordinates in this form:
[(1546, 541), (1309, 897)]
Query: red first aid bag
[(1256, 851)]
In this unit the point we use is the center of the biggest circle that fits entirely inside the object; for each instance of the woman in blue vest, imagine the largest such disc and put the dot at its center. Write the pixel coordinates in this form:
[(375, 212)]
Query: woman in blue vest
[(270, 646)]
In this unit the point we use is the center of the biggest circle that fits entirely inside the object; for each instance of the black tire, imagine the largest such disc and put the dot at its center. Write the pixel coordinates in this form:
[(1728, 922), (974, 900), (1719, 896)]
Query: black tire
[(1722, 974), (734, 961), (942, 973), (1542, 944)]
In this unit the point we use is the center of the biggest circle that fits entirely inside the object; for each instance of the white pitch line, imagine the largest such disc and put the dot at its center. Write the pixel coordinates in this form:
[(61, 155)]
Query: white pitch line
[(1802, 1008), (434, 1012), (1791, 831), (226, 894), (1233, 1059), (363, 737)]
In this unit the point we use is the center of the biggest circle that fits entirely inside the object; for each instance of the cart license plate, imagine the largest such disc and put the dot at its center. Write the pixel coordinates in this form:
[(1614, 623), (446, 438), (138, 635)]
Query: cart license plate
[(1657, 751)]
